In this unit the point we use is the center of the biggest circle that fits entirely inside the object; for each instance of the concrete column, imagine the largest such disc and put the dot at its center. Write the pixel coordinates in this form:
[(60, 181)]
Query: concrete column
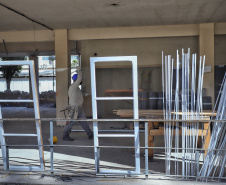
[(62, 72), (206, 47)]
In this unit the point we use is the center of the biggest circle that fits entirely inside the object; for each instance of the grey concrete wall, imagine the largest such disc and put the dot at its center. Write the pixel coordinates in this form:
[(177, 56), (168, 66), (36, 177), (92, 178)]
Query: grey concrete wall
[(149, 79), (220, 49), (149, 53), (148, 50)]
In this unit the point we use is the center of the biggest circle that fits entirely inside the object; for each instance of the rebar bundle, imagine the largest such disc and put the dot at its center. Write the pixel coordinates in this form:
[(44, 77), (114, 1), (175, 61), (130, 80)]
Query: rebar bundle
[(188, 102), (214, 163)]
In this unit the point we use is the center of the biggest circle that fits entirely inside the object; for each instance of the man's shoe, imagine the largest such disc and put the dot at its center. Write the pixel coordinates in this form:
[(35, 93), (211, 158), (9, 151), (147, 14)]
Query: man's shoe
[(68, 138), (90, 136)]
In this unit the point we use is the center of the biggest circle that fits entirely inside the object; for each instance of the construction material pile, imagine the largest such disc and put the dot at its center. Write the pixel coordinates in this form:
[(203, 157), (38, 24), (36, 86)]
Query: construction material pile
[(214, 163), (185, 91)]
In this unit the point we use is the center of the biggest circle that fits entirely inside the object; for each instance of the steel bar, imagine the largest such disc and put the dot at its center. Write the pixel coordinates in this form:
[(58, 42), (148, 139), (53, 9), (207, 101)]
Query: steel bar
[(194, 130), (7, 157), (163, 95), (110, 131), (119, 172), (127, 147), (168, 114), (116, 135), (114, 98), (166, 111), (3, 144), (37, 113), (94, 111), (191, 110), (171, 133), (17, 100), (214, 163), (202, 119), (136, 113), (51, 145), (183, 113), (203, 64), (146, 150), (21, 135), (166, 126), (177, 116)]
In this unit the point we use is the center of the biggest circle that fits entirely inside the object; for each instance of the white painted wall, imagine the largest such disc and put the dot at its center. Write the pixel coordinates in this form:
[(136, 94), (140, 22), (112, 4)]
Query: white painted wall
[(22, 84)]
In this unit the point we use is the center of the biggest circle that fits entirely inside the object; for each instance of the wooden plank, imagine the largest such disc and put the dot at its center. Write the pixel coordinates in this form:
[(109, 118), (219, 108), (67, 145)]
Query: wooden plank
[(159, 132), (152, 113), (150, 141), (207, 139)]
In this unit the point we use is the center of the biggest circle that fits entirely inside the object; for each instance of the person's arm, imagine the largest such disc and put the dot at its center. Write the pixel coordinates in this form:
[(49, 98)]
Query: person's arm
[(79, 79)]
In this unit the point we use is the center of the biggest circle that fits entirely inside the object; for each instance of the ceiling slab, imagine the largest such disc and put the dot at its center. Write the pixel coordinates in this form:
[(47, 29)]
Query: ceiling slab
[(69, 14)]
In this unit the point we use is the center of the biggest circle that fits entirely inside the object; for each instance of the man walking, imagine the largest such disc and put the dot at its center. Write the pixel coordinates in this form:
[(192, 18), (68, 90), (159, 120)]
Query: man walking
[(75, 107)]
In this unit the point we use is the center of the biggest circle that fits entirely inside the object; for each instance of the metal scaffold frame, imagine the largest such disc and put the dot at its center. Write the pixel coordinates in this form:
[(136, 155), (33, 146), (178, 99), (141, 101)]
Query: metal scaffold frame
[(135, 135), (4, 148)]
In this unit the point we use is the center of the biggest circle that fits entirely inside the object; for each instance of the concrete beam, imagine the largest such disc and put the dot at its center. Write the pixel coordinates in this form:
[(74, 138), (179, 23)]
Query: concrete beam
[(27, 36), (62, 72), (220, 29), (110, 33), (134, 32), (206, 47)]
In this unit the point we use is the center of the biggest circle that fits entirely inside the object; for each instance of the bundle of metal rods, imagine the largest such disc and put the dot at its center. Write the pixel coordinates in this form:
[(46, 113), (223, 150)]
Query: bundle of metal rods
[(214, 163), (188, 98)]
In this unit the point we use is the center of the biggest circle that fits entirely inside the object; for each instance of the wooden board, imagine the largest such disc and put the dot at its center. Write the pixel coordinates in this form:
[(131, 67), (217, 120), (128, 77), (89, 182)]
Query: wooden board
[(153, 113)]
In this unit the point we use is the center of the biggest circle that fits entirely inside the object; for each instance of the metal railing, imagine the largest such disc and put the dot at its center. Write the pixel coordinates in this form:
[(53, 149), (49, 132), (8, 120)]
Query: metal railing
[(146, 171)]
